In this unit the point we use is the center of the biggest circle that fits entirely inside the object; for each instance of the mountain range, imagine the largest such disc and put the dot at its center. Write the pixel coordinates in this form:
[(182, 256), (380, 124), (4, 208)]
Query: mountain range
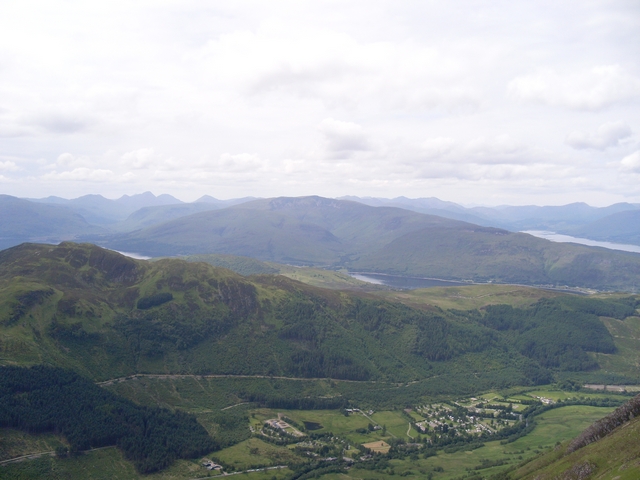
[(334, 233)]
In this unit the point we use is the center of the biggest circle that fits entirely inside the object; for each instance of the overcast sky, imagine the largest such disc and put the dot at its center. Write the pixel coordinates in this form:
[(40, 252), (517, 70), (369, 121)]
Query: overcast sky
[(494, 102)]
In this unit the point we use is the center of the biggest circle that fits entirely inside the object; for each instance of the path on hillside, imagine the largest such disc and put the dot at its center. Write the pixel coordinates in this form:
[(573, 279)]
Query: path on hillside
[(196, 377), (51, 453), (409, 431)]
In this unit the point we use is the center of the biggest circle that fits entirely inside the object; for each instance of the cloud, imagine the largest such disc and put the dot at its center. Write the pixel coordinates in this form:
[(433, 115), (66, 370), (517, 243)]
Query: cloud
[(230, 100), (241, 162), (339, 69), (68, 160), (13, 131), (8, 166), (631, 163), (140, 158), (436, 147), (608, 135), (500, 149), (64, 123), (343, 137), (86, 175), (594, 89)]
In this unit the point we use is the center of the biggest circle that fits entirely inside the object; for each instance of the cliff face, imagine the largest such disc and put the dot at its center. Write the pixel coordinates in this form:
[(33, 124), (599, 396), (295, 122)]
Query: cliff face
[(605, 426)]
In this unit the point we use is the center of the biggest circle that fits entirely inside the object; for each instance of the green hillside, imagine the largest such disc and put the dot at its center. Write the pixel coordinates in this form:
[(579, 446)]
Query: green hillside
[(106, 315), (317, 277), (242, 265)]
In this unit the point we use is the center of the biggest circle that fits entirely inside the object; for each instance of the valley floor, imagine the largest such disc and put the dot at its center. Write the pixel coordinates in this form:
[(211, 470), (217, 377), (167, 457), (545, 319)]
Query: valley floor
[(328, 434)]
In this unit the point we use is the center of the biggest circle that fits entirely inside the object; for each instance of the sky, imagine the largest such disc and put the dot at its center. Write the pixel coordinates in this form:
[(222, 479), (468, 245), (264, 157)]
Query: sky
[(475, 102)]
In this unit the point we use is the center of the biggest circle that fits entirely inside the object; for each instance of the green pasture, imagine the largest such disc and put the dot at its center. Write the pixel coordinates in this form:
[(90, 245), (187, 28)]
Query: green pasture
[(255, 453), (396, 423)]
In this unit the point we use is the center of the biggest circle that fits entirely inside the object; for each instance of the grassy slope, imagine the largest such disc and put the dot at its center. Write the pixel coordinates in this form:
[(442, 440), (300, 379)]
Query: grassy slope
[(241, 265)]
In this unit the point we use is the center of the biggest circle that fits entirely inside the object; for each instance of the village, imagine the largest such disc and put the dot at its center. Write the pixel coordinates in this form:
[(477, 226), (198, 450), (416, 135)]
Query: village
[(425, 426)]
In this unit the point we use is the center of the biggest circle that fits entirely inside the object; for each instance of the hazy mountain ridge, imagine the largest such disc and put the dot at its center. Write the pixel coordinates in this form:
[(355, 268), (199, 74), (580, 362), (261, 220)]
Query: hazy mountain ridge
[(24, 220), (304, 230), (102, 211), (569, 219), (134, 212), (331, 232), (54, 219)]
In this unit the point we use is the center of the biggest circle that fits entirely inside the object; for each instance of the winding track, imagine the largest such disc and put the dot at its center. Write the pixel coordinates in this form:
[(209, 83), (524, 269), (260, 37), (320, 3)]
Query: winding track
[(176, 376)]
